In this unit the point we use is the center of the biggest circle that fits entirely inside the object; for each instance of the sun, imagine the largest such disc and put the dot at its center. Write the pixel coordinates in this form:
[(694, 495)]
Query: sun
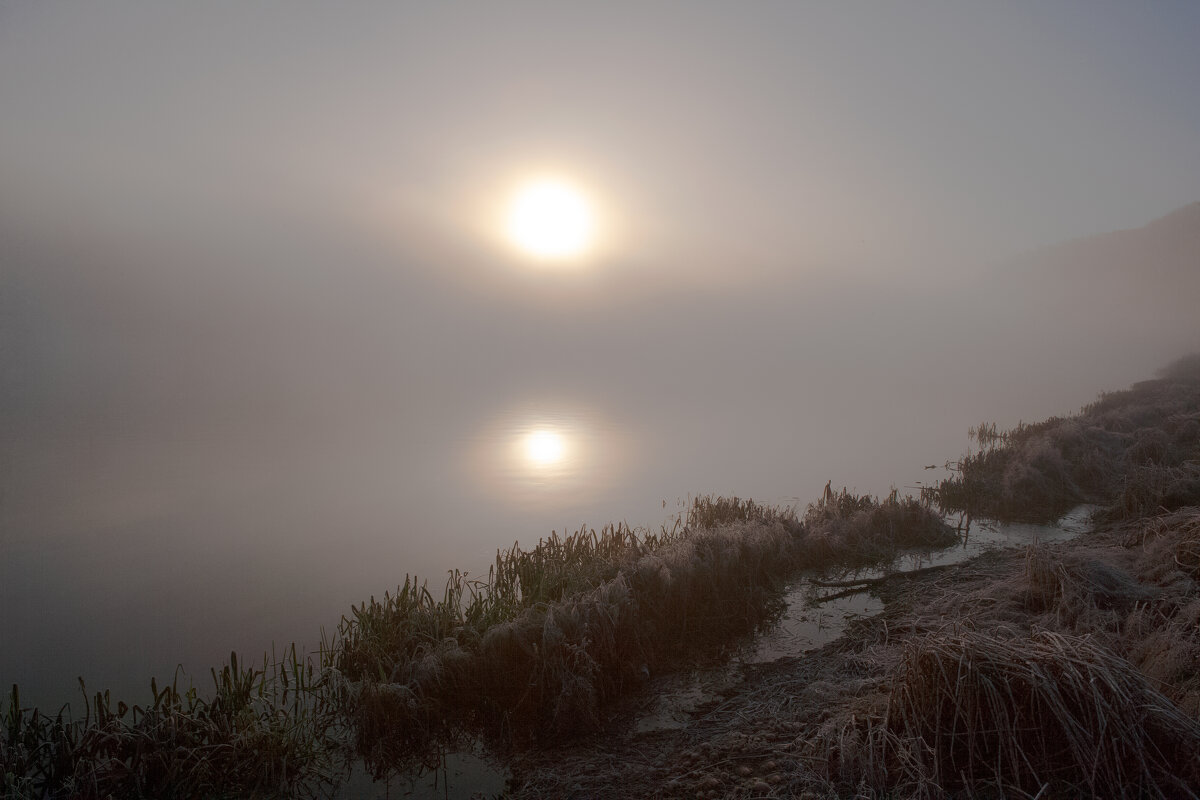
[(544, 448), (550, 219)]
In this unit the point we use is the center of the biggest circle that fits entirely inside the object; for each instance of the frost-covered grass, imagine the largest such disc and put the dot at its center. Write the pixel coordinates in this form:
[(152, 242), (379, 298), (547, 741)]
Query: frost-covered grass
[(1136, 452)]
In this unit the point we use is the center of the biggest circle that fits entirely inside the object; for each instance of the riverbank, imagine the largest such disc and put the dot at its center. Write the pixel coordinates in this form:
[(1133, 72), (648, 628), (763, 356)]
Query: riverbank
[(1060, 669), (978, 678), (539, 651), (1054, 670)]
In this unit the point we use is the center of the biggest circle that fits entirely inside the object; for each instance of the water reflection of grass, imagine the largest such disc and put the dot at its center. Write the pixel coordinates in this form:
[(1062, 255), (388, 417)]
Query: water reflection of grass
[(263, 731), (536, 649)]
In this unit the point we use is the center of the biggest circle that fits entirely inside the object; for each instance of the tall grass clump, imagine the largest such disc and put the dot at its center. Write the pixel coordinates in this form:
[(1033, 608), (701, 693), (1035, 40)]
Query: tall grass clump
[(554, 632), (852, 530), (1070, 672), (540, 648), (1136, 452), (1030, 714), (1145, 491), (710, 512)]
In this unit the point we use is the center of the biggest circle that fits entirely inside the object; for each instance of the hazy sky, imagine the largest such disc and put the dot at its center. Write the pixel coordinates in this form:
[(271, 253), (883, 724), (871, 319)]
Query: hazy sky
[(728, 135), (263, 351)]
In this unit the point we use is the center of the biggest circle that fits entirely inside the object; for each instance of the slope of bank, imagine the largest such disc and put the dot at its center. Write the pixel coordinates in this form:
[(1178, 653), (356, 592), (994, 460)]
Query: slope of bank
[(1058, 670)]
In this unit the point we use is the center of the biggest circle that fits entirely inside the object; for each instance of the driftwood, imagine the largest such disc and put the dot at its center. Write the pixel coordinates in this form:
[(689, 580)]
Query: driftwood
[(862, 584)]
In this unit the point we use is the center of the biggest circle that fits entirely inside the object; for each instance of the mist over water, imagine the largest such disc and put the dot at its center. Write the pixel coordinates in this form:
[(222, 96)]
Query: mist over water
[(261, 354), (208, 459)]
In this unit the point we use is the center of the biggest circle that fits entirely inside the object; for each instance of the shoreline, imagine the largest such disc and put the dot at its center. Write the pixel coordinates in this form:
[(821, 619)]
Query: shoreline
[(978, 679), (795, 726), (549, 660)]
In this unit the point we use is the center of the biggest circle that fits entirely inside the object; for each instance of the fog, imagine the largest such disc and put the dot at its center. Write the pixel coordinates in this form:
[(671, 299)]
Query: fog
[(263, 353)]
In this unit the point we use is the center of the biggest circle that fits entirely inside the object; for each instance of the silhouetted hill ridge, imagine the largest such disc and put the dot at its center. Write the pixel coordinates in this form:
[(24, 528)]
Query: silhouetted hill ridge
[(1166, 248), (1131, 279)]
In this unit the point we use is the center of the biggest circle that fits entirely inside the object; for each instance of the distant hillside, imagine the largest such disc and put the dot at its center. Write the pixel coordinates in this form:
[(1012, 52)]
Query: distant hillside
[(1156, 263)]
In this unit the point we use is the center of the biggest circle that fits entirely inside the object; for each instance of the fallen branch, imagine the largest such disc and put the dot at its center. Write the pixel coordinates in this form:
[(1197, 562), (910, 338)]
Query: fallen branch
[(862, 584), (876, 581)]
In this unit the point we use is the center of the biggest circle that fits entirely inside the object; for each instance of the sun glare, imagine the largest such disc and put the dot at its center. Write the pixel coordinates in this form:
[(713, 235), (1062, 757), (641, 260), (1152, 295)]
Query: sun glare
[(550, 219), (544, 448)]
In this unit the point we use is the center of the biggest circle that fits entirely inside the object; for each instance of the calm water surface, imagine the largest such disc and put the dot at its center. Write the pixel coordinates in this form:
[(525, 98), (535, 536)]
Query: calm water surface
[(143, 555)]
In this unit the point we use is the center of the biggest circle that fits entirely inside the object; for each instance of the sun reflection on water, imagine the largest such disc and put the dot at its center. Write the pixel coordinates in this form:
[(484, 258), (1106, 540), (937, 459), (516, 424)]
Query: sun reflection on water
[(535, 457)]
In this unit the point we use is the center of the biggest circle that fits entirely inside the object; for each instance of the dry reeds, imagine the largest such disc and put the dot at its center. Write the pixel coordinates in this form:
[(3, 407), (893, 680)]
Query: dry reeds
[(1070, 672), (558, 631), (712, 512), (968, 710), (1154, 489), (854, 530), (1077, 587), (1187, 547), (263, 732), (1162, 638), (422, 669), (1137, 450), (537, 649)]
